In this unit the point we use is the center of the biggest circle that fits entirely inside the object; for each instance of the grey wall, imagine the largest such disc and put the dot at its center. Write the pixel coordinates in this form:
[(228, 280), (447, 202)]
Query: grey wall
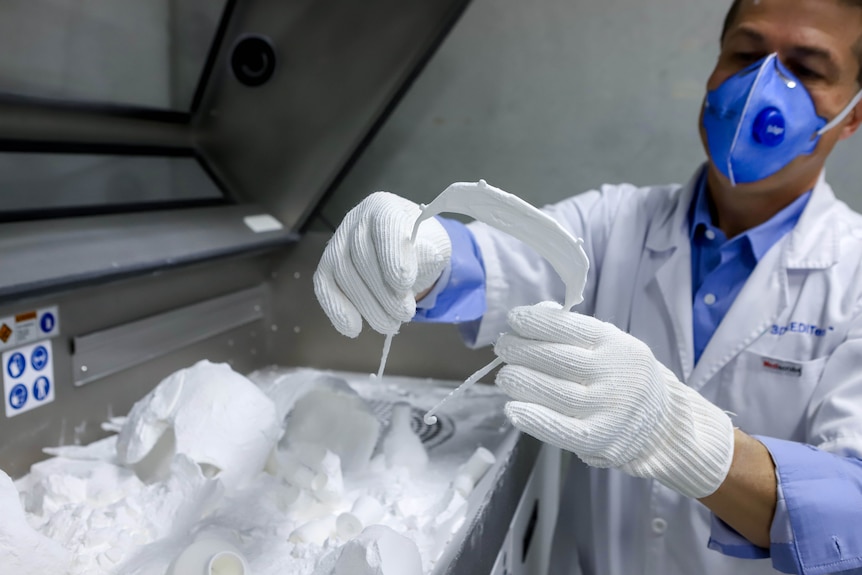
[(553, 97)]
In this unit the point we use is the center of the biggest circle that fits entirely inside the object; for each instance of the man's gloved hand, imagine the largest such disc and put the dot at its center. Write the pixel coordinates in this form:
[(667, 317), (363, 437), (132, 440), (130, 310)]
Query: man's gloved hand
[(587, 387), (371, 270)]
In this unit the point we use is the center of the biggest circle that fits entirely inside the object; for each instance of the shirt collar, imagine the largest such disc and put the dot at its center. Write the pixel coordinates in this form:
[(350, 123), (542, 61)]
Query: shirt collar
[(760, 238)]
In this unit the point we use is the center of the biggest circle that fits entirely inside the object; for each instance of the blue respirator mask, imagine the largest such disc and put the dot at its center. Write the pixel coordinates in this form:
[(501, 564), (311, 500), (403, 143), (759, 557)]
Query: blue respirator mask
[(761, 119)]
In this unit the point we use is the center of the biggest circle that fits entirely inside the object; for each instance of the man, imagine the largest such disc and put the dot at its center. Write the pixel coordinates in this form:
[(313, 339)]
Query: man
[(746, 285)]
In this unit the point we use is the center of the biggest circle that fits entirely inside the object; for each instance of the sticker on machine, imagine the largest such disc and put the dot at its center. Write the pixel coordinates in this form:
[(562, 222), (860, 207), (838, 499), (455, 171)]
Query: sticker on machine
[(28, 377), (29, 326)]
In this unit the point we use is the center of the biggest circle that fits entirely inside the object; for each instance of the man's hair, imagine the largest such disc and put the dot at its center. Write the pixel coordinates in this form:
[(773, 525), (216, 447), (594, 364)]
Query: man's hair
[(730, 18)]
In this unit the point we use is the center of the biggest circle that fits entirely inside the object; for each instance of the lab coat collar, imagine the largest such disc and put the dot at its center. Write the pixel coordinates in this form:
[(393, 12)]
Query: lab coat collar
[(810, 245), (670, 228), (813, 245)]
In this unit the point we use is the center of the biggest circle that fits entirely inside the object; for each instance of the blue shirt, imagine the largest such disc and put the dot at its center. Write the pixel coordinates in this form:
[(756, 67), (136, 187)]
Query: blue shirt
[(720, 267), (815, 529), (459, 294)]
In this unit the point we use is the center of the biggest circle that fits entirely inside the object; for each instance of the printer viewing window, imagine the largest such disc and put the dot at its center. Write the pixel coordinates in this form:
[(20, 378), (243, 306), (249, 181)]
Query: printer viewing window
[(132, 53), (39, 185)]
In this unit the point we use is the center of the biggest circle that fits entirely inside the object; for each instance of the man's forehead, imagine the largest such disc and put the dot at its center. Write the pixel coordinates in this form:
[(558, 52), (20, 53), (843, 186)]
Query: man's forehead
[(830, 24)]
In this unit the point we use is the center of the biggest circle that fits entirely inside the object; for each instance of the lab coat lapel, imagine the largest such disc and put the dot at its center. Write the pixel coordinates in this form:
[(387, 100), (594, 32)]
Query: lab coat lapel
[(670, 249), (766, 293), (759, 303), (674, 283)]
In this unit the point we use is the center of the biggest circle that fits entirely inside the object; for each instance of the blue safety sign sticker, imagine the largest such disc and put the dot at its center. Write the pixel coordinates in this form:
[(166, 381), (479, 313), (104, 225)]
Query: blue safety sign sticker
[(29, 326), (16, 365), (28, 377), (39, 358), (41, 388), (18, 396), (47, 322)]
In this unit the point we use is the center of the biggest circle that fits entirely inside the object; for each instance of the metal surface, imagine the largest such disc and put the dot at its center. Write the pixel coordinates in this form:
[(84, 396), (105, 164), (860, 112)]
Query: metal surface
[(106, 352), (40, 256), (526, 550), (475, 547), (33, 122), (340, 64)]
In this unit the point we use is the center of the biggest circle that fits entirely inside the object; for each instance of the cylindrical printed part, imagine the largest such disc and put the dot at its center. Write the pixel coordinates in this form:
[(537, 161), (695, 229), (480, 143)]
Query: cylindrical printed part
[(348, 526), (368, 510), (463, 484), (330, 473), (227, 563), (316, 532), (210, 556), (479, 463), (298, 474)]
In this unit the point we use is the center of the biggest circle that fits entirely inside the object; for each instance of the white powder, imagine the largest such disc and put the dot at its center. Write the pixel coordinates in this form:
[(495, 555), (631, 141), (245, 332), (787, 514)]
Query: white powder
[(23, 551), (92, 513)]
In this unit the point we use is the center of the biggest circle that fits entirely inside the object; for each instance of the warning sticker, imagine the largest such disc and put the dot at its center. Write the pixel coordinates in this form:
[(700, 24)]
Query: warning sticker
[(29, 326), (28, 377)]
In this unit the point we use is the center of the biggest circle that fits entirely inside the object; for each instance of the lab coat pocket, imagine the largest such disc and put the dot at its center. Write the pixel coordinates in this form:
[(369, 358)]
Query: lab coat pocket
[(769, 395)]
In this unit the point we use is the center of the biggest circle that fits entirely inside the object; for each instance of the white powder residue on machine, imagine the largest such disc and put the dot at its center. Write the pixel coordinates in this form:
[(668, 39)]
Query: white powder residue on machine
[(299, 472)]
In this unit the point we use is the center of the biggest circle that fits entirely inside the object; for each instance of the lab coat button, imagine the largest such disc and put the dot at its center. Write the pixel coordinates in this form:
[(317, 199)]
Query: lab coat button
[(710, 235), (659, 526), (709, 299)]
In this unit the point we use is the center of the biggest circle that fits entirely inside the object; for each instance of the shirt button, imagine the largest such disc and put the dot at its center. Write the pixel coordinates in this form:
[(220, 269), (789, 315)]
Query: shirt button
[(709, 299), (659, 526), (710, 235)]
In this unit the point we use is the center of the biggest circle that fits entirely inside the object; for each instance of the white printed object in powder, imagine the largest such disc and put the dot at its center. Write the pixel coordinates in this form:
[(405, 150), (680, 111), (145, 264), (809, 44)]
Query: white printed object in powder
[(183, 415), (401, 446), (339, 422), (379, 550), (471, 472), (366, 511)]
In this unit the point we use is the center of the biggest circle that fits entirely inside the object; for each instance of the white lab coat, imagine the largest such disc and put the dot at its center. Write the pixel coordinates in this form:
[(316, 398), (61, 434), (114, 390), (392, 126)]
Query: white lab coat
[(637, 240)]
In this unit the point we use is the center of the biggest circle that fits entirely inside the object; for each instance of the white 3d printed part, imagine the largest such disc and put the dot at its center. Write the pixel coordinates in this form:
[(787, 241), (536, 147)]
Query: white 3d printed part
[(511, 214), (177, 418), (379, 550), (401, 446), (210, 557), (338, 422)]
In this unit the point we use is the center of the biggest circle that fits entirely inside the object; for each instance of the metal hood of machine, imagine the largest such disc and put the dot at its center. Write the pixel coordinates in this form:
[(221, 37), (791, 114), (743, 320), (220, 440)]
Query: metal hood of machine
[(262, 106)]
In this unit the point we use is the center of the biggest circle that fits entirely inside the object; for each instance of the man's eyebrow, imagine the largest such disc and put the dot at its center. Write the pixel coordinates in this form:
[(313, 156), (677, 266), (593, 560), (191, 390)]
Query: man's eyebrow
[(749, 33), (824, 56), (813, 52), (801, 51)]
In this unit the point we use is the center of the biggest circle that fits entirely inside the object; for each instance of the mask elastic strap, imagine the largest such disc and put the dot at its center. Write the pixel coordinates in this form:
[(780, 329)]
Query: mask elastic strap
[(840, 117)]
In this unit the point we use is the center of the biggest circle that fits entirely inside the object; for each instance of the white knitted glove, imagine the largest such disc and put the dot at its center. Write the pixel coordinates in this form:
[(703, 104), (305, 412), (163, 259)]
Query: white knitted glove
[(587, 387), (371, 270)]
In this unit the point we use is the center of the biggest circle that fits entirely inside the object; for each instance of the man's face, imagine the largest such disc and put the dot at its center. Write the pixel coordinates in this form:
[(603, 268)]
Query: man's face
[(816, 40)]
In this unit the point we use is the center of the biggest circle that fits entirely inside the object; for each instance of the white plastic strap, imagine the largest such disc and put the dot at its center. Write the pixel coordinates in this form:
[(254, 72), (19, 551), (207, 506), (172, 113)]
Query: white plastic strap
[(843, 114)]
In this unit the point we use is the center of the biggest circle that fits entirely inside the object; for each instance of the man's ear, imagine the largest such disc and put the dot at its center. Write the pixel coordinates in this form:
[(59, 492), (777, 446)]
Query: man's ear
[(854, 119)]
